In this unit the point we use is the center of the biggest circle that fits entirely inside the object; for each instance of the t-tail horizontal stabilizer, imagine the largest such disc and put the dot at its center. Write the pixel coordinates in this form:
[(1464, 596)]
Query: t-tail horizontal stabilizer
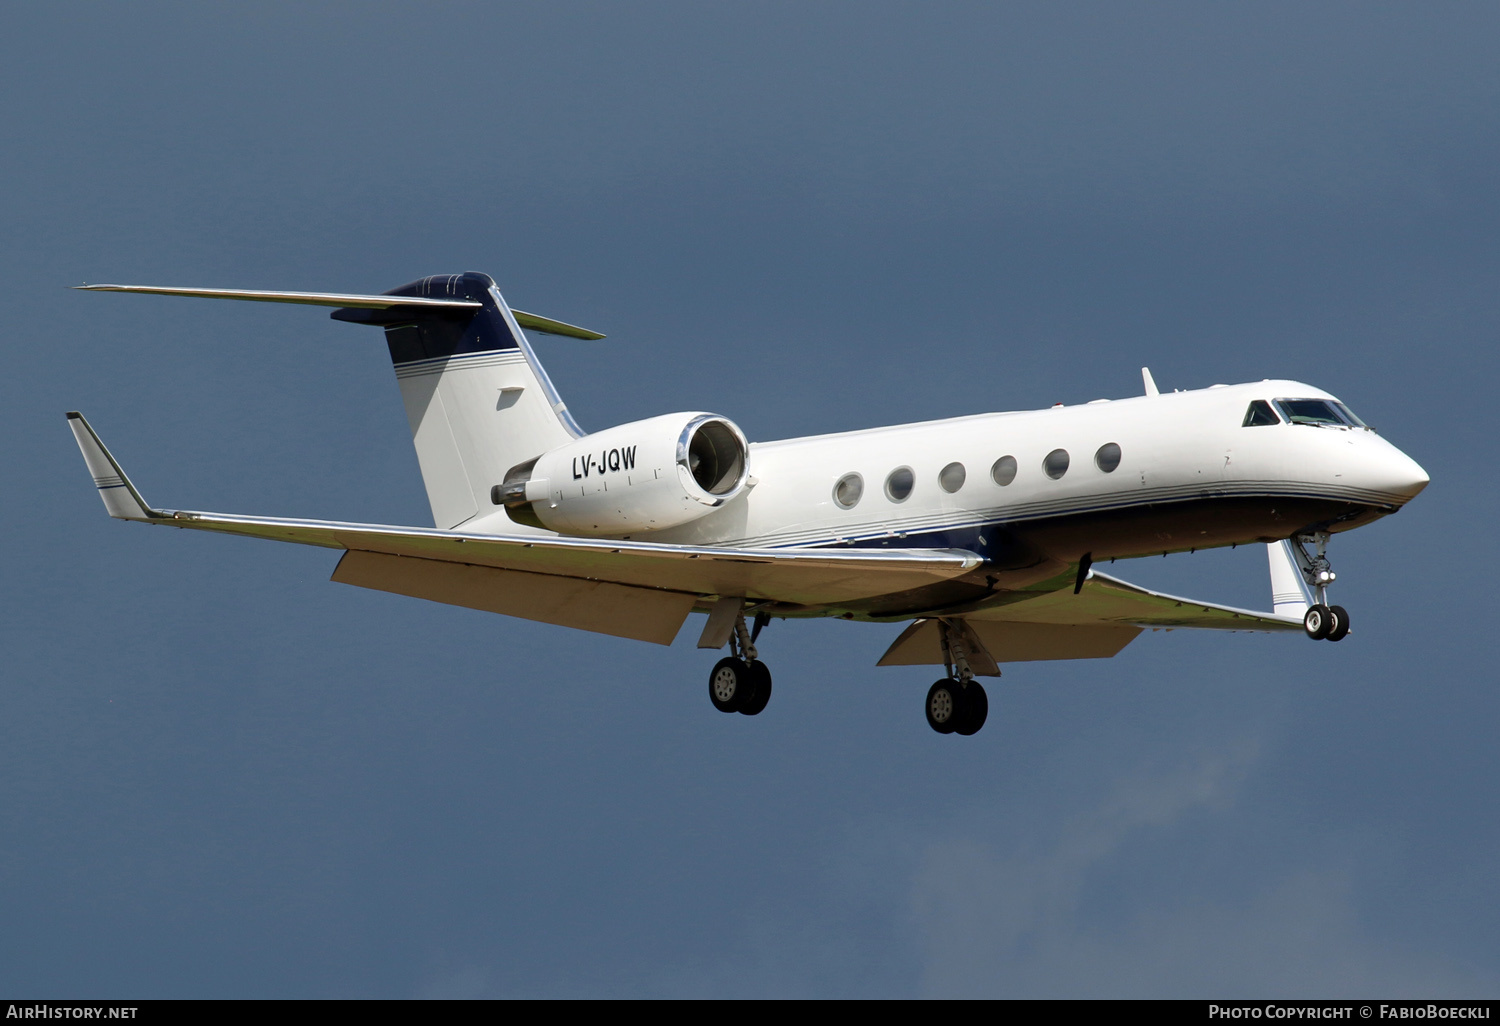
[(121, 500), (355, 301)]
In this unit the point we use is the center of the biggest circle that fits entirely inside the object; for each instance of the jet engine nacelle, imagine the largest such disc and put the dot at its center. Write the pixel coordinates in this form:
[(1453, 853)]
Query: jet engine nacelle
[(644, 476)]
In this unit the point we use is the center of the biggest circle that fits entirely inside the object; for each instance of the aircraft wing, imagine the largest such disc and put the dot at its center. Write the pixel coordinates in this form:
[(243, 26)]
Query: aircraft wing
[(1098, 621), (630, 589), (1109, 600)]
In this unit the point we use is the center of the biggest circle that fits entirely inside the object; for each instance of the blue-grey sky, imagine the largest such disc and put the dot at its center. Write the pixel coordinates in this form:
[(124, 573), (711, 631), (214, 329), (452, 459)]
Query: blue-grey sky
[(221, 775)]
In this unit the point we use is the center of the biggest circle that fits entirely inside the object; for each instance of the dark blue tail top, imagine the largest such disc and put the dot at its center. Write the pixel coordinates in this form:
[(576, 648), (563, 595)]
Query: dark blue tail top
[(416, 333)]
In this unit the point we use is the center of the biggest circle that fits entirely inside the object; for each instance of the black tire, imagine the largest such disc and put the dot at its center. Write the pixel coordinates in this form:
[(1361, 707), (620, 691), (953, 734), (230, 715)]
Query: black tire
[(975, 711), (1340, 628), (945, 706), (1317, 621), (729, 684), (760, 692)]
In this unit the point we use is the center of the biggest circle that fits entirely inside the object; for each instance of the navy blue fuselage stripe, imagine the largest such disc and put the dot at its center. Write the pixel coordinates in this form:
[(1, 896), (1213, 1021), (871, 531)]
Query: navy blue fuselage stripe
[(961, 535)]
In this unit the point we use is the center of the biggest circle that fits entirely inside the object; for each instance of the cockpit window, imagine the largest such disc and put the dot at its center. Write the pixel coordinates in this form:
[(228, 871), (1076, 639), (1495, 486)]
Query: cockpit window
[(1348, 415), (1260, 414), (1318, 412)]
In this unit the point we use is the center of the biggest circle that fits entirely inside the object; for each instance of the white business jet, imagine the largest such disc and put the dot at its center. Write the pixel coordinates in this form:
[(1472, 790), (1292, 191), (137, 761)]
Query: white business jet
[(981, 533)]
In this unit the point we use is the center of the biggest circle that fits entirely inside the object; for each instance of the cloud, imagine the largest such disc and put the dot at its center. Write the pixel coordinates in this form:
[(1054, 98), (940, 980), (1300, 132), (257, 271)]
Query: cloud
[(1048, 922)]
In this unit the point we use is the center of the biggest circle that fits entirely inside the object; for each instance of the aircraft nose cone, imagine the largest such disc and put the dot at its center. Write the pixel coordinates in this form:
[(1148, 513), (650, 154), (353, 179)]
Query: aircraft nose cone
[(1403, 475), (1418, 478)]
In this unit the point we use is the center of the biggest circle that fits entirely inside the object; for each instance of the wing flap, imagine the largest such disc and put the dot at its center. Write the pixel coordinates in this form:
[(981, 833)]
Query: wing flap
[(920, 645), (645, 614)]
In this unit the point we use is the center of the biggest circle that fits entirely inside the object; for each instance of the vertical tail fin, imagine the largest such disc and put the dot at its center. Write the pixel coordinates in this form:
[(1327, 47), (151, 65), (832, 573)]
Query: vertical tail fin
[(476, 397)]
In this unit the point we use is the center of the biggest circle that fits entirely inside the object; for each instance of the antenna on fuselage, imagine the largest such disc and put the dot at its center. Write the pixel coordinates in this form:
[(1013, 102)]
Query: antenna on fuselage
[(1149, 382)]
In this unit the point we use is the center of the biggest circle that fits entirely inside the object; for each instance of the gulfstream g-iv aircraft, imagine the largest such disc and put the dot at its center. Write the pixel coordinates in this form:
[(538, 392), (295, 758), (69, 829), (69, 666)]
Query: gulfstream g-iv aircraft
[(982, 534)]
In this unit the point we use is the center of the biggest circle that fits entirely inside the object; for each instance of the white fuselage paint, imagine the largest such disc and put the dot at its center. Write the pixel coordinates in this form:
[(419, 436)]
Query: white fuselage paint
[(1176, 448)]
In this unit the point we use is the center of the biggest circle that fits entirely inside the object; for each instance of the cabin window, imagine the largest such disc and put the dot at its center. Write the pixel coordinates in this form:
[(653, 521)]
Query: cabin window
[(1108, 457), (1004, 470), (1260, 414), (1317, 412), (952, 477), (898, 485), (848, 491), (1056, 463)]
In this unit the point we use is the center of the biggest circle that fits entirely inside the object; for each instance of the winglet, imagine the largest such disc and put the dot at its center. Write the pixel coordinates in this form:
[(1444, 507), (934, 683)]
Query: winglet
[(1149, 382), (1288, 596), (121, 500)]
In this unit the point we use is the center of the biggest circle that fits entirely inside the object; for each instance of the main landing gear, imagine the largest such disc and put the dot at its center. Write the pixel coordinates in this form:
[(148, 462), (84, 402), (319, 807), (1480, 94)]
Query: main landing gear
[(1321, 621), (740, 682), (954, 707), (956, 704)]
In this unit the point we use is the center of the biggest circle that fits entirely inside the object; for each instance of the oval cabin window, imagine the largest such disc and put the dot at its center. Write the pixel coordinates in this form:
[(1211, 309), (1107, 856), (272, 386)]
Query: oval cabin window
[(1108, 457), (848, 491), (1004, 470), (898, 485)]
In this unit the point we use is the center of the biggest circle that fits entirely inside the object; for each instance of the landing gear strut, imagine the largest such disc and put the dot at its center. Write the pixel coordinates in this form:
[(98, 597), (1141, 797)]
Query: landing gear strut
[(740, 682), (956, 704), (1321, 621)]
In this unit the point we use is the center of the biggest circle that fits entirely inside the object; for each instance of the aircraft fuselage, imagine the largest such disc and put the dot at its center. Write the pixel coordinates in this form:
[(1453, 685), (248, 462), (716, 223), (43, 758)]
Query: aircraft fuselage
[(1187, 474)]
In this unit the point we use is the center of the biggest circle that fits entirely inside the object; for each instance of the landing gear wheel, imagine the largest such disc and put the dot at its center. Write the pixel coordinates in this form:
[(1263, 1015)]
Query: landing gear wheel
[(1318, 621), (976, 709), (945, 706), (730, 684), (1340, 628), (760, 691)]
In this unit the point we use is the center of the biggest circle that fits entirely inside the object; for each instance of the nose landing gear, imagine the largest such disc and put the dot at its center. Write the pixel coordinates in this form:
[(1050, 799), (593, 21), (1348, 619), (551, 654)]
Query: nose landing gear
[(1321, 620)]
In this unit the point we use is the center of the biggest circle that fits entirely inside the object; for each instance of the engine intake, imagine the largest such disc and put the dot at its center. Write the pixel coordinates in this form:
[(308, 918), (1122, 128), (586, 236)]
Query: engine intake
[(648, 475)]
